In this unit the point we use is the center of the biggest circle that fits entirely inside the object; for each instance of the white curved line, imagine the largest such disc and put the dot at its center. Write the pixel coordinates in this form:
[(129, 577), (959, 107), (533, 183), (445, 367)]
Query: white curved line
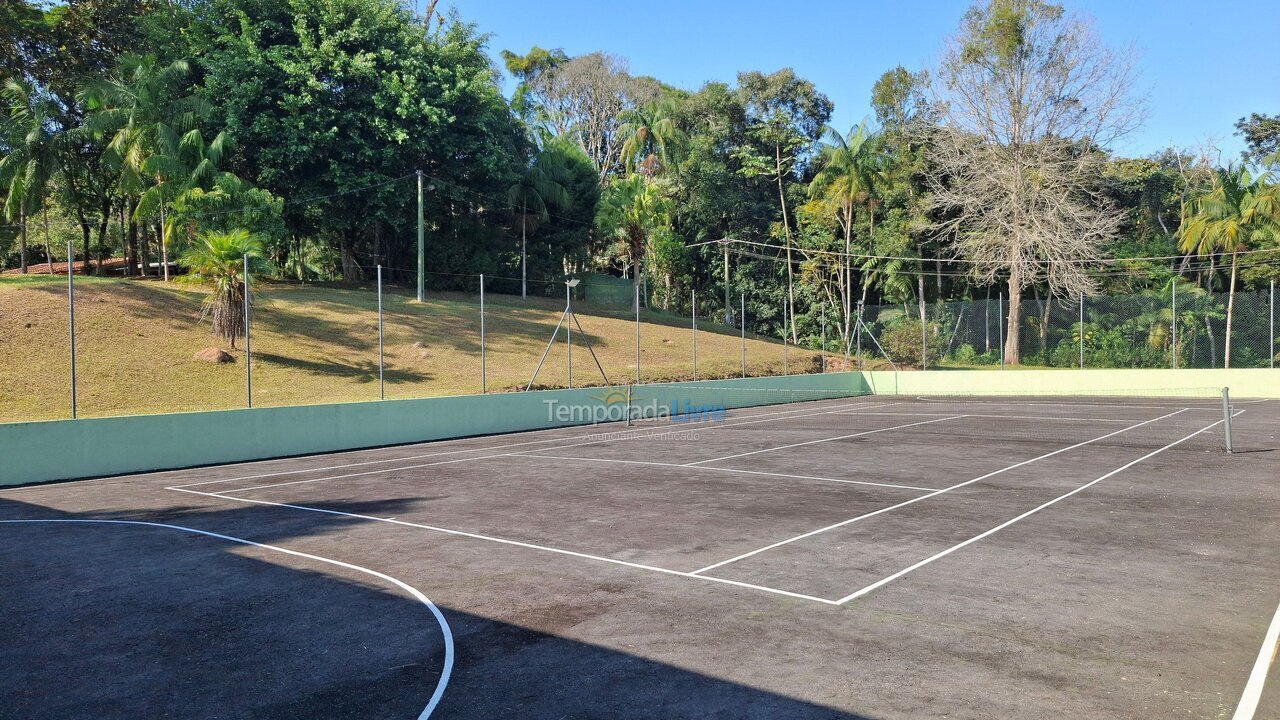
[(445, 672)]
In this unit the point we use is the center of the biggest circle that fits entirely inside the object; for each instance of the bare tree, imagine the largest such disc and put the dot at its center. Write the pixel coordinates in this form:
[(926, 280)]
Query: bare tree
[(1031, 98), (584, 97)]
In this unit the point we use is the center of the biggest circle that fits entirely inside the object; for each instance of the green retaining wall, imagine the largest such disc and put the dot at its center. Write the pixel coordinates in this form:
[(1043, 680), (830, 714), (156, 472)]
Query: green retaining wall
[(1262, 383), (91, 447)]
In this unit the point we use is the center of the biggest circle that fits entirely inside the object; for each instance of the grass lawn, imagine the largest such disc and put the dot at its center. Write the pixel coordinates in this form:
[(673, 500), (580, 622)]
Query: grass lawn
[(316, 343)]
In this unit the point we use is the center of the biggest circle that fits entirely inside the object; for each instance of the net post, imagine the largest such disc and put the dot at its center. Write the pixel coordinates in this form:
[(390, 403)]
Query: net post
[(248, 353), (629, 388), (71, 319), (1226, 417), (382, 387)]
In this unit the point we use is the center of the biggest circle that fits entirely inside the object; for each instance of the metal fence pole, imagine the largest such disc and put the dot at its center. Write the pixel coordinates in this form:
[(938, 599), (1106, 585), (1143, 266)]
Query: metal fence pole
[(382, 386), (248, 352), (786, 313), (1173, 325), (924, 343), (568, 334), (71, 318), (484, 377), (694, 316), (1000, 327), (1273, 323), (742, 320), (857, 330), (1081, 331), (824, 337), (636, 288), (422, 262)]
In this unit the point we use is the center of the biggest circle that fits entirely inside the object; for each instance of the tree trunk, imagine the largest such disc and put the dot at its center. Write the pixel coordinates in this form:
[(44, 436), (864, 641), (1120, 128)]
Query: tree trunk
[(1013, 338), (48, 254), (1231, 302), (85, 231), (22, 241), (164, 244), (635, 284)]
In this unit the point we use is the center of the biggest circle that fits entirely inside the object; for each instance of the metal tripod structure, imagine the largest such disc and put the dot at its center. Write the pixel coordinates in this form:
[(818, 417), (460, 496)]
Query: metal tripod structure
[(565, 318)]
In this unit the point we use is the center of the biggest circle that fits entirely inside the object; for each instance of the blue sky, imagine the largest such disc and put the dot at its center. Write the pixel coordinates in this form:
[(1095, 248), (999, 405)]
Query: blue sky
[(1201, 64)]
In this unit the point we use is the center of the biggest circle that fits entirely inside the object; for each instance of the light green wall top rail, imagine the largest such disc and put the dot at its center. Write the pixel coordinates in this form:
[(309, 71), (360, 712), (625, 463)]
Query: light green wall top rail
[(1261, 383)]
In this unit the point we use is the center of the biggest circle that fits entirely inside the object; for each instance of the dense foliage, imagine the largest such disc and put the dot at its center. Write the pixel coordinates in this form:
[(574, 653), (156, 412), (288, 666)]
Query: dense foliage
[(311, 124)]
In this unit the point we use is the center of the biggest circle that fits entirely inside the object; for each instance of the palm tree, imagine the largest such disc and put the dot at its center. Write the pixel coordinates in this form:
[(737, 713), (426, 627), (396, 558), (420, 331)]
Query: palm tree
[(540, 184), (144, 110), (1237, 212), (219, 259), (849, 171), (32, 161), (630, 211), (648, 133)]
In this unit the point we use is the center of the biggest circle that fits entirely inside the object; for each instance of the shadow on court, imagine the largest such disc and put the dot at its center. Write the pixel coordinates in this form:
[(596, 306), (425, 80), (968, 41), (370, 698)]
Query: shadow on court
[(129, 621)]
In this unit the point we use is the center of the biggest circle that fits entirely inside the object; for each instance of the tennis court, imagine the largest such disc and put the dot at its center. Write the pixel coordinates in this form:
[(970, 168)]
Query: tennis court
[(807, 556)]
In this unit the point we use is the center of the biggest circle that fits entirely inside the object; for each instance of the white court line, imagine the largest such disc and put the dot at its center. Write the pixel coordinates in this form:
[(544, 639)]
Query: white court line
[(622, 435), (1007, 417), (445, 671), (498, 455), (885, 581), (728, 470), (814, 442), (1252, 694), (873, 513), (516, 543)]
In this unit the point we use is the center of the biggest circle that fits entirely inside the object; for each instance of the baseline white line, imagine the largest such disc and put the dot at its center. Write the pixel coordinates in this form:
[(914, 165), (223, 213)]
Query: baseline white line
[(505, 541), (1065, 418), (873, 513), (618, 436), (814, 442), (885, 581), (1252, 694), (728, 470), (446, 669)]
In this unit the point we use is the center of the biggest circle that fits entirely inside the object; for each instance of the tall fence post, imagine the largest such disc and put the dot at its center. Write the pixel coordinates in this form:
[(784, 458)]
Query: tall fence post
[(568, 334), (742, 321), (824, 337), (422, 257), (1273, 323), (1000, 327), (382, 385), (484, 375), (1173, 325), (786, 327), (1081, 331), (636, 288), (924, 342), (71, 319), (248, 351), (693, 313), (857, 331)]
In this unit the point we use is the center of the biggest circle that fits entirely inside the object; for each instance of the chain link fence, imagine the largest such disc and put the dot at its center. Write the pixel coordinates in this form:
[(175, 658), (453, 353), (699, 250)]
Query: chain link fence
[(1180, 327)]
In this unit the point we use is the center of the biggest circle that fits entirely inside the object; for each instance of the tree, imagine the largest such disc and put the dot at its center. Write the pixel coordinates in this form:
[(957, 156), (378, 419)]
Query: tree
[(32, 158), (1261, 134), (1031, 96), (631, 211), (785, 116), (1240, 211), (848, 171), (541, 184), (647, 135), (218, 259)]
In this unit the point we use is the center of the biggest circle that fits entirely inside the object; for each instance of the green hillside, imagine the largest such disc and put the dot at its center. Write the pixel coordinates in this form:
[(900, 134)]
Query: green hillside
[(137, 340)]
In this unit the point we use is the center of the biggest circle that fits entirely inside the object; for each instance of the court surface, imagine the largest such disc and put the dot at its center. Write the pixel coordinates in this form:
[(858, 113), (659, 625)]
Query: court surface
[(867, 557)]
